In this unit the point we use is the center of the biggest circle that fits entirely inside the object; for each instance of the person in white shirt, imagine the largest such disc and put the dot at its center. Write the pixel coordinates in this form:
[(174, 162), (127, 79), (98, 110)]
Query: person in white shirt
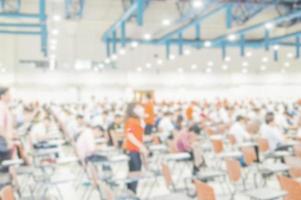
[(271, 132), (166, 127), (239, 131)]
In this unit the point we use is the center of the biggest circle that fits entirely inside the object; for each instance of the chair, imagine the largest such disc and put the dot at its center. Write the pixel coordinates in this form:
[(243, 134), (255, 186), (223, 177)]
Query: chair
[(297, 150), (294, 164), (292, 187), (263, 145), (218, 146), (7, 193), (249, 155), (204, 191), (234, 173)]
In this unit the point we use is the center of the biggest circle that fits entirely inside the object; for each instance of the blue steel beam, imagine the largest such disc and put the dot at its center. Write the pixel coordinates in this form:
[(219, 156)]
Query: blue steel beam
[(229, 16), (43, 23), (195, 43), (275, 21), (20, 15), (7, 32), (298, 45), (20, 25), (133, 9), (191, 24)]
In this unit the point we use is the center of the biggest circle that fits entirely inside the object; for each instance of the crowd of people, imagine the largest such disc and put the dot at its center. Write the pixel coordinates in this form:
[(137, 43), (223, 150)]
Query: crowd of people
[(131, 126)]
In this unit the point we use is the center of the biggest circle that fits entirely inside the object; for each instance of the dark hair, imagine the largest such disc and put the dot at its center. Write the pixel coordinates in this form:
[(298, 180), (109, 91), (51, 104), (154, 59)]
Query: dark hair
[(130, 111), (269, 117), (239, 118), (3, 91), (148, 95), (79, 116)]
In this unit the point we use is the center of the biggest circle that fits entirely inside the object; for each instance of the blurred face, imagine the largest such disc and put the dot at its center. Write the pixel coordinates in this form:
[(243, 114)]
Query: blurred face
[(118, 120), (6, 97), (139, 111)]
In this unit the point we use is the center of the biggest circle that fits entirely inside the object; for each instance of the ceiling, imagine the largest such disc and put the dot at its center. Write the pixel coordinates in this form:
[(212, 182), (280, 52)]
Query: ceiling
[(79, 41)]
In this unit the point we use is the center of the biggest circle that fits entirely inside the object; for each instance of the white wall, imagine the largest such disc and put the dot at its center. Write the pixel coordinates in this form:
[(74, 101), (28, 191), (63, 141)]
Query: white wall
[(62, 86)]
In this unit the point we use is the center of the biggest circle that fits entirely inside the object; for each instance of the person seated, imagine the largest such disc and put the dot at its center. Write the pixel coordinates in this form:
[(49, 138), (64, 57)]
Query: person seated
[(166, 127), (115, 132), (272, 133), (238, 130)]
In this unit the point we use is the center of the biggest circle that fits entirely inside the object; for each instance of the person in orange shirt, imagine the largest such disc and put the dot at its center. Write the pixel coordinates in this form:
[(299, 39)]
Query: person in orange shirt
[(189, 112), (149, 114), (134, 133)]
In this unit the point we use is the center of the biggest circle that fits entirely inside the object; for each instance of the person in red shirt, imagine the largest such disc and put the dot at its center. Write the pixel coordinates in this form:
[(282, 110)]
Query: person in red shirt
[(149, 114), (133, 144), (189, 112)]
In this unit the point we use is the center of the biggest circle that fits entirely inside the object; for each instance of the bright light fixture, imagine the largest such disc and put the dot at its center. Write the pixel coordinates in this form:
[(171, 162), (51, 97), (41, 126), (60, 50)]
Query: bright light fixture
[(172, 57), (55, 32), (107, 60), (227, 59), (57, 18), (180, 70), (134, 44), (208, 70), (276, 47), (287, 64), (197, 4), (139, 69), (269, 25), (245, 64), (148, 65), (210, 63), (147, 36), (114, 57), (122, 52), (244, 71), (225, 67), (159, 62), (249, 54), (166, 22), (265, 59), (263, 68), (289, 55), (207, 44), (194, 66), (187, 52), (232, 37)]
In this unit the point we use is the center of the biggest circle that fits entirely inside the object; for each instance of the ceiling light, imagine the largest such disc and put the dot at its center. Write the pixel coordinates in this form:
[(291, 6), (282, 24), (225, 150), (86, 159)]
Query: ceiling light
[(122, 52), (208, 70), (107, 60), (225, 67), (244, 71), (148, 65), (194, 66), (207, 44), (159, 62), (187, 52), (55, 32), (283, 71), (57, 18), (231, 37), (166, 22), (53, 41), (147, 36), (210, 63), (269, 25), (134, 44), (263, 68), (180, 70), (227, 59), (289, 55), (249, 54), (172, 57), (197, 4), (245, 64), (265, 59), (139, 69), (287, 64), (96, 69), (101, 66), (114, 57), (53, 47), (276, 47), (3, 70)]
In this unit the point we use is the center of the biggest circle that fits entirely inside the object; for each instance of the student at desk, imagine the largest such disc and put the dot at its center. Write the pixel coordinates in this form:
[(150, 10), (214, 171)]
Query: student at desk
[(238, 130)]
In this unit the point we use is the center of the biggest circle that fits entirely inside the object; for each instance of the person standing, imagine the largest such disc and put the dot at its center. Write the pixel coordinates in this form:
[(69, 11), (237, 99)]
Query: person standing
[(133, 144), (149, 114), (6, 125)]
